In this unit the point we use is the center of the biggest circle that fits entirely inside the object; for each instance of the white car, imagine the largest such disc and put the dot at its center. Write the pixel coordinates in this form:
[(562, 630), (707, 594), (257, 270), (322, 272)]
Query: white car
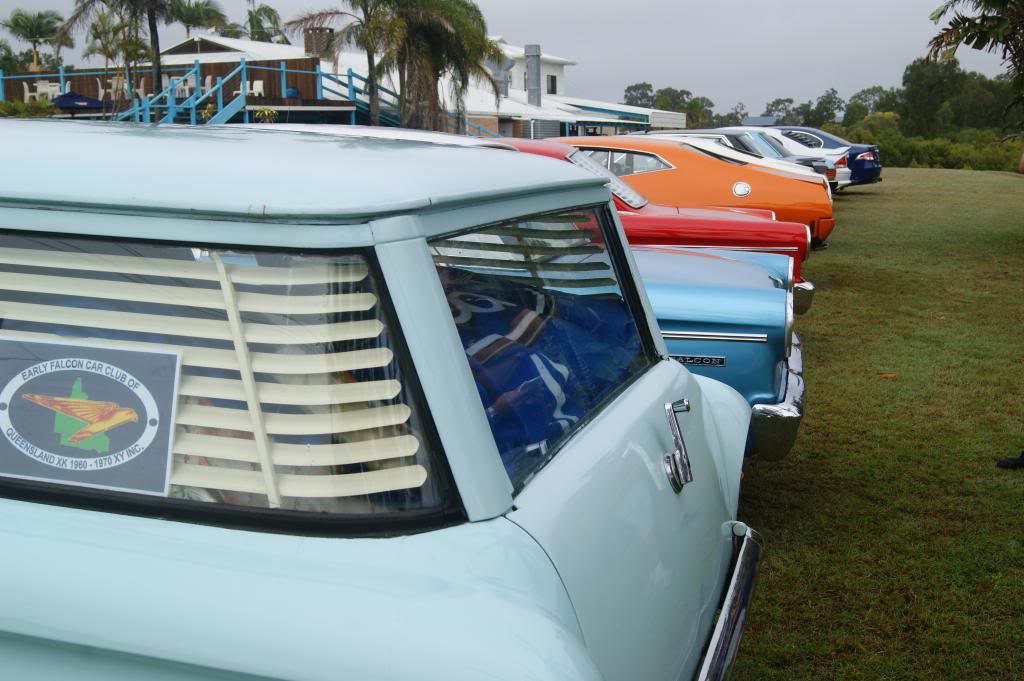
[(793, 147)]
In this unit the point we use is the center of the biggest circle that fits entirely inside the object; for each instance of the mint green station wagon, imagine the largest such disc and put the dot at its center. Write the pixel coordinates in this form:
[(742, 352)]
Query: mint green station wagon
[(282, 408)]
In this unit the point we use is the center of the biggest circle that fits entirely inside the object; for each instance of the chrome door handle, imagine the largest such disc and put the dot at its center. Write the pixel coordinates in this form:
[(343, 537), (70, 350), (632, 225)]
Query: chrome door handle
[(677, 462)]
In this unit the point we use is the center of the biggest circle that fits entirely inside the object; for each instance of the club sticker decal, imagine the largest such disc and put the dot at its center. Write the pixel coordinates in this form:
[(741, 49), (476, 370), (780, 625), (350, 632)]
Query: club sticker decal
[(87, 415)]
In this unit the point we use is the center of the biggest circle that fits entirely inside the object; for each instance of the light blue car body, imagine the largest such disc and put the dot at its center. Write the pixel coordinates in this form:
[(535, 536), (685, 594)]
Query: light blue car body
[(596, 569), (729, 316), (709, 293)]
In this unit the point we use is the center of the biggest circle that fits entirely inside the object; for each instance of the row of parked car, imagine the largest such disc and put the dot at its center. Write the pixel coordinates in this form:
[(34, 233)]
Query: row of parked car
[(301, 402), (844, 163)]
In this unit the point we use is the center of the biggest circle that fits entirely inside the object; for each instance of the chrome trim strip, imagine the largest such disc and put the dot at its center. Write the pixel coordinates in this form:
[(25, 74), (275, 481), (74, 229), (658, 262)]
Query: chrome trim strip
[(774, 427), (715, 336), (755, 249), (725, 638)]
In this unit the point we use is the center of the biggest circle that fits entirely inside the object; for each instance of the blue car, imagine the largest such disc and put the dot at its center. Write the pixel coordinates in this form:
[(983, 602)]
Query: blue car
[(729, 317), (864, 160)]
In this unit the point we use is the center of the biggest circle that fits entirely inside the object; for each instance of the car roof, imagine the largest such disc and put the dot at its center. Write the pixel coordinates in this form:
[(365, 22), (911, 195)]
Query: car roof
[(338, 130), (259, 175), (637, 142)]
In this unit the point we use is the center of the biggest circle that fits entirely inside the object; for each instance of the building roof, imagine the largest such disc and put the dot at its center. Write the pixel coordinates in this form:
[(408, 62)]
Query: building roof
[(259, 175), (218, 48), (519, 52), (760, 120)]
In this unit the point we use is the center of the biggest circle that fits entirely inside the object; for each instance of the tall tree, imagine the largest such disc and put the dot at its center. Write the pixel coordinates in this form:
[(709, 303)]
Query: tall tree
[(639, 94), (263, 24), (60, 41), (828, 107), (430, 43), (363, 23), (734, 116), (33, 28), (465, 51), (995, 26), (104, 37), (8, 59), (671, 99), (927, 85), (855, 113), (782, 109), (699, 111), (142, 17), (196, 14)]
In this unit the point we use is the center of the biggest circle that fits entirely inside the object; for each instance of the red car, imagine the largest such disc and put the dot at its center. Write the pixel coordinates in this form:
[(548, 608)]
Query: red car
[(736, 229)]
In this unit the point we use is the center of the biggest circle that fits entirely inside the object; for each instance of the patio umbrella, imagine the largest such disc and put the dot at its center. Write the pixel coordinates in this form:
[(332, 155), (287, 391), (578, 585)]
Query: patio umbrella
[(76, 102)]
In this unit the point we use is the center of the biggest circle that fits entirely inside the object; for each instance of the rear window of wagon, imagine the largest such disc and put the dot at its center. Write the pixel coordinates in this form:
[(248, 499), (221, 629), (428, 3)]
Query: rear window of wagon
[(240, 380)]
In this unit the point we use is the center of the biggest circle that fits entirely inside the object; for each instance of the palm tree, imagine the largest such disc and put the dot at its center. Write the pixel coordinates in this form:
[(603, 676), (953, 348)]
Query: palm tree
[(995, 26), (263, 23), (195, 14), (135, 13), (58, 42), (467, 50), (105, 35), (33, 28), (358, 22), (435, 42)]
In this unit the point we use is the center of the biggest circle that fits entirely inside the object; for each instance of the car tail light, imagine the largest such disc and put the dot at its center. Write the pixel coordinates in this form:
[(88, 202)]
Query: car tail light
[(841, 163), (830, 173), (866, 156)]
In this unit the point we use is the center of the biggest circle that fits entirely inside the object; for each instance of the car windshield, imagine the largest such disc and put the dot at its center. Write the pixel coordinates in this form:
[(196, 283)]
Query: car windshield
[(627, 194), (548, 330), (840, 140), (275, 379), (719, 157), (776, 145), (758, 142)]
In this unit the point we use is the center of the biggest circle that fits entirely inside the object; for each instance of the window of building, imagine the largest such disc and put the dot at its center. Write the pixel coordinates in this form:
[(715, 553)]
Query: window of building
[(552, 85)]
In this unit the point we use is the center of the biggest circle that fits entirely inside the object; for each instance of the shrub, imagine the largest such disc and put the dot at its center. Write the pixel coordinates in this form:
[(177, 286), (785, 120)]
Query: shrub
[(971, 149), (15, 108)]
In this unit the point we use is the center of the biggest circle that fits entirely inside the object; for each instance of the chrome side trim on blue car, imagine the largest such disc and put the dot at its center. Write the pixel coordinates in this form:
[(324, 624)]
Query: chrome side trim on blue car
[(732, 619), (715, 336), (774, 427)]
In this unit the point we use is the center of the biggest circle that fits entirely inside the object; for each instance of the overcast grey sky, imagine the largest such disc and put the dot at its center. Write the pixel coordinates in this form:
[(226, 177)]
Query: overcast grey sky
[(746, 51)]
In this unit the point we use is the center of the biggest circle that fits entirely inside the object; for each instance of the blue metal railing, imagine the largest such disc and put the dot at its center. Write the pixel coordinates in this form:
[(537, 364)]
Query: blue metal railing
[(63, 75), (164, 106)]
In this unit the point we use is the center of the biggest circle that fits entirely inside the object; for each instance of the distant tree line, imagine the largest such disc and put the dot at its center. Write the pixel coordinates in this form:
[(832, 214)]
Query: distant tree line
[(936, 97), (941, 116)]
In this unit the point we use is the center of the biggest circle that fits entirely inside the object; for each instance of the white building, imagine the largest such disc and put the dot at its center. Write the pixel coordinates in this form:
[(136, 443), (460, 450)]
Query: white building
[(520, 110)]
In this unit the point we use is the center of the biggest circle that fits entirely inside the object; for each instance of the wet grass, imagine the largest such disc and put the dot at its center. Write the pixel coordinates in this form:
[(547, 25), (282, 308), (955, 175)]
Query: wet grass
[(894, 547)]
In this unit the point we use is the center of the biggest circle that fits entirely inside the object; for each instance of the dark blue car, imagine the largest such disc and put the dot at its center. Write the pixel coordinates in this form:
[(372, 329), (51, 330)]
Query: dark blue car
[(864, 160)]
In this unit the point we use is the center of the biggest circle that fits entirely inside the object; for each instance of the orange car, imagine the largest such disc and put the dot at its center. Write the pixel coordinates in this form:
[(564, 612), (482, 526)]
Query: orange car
[(675, 174)]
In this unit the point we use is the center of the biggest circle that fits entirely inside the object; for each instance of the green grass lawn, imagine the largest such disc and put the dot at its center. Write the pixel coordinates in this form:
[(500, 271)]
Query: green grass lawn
[(894, 549)]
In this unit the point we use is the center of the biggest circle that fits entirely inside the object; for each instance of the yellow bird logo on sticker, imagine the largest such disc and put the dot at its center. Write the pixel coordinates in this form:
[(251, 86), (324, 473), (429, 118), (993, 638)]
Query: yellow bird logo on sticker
[(98, 417)]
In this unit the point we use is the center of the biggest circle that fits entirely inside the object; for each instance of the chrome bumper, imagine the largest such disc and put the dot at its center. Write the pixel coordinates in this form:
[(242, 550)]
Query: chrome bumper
[(773, 427), (725, 638), (803, 296)]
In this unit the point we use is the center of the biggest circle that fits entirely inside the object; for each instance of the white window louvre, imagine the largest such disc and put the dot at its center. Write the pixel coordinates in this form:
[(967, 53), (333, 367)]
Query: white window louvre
[(289, 395), (252, 399), (559, 256)]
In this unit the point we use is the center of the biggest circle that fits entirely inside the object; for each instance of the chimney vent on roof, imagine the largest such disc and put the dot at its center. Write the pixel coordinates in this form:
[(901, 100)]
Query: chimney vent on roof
[(317, 41), (533, 83), (500, 74)]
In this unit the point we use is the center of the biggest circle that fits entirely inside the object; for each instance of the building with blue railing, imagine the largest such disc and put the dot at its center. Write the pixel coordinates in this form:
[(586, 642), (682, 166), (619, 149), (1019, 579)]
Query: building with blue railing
[(213, 79)]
